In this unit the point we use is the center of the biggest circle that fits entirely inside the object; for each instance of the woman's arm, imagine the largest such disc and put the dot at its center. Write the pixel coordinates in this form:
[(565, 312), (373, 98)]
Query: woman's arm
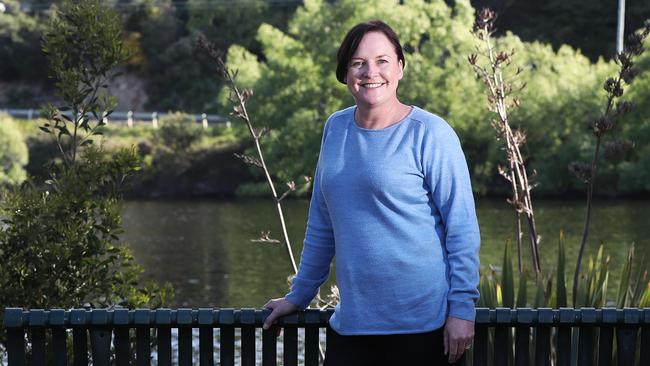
[(451, 191), (317, 254)]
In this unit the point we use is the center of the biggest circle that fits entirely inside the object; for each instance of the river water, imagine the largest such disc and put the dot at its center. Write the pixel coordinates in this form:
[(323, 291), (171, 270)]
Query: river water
[(204, 248)]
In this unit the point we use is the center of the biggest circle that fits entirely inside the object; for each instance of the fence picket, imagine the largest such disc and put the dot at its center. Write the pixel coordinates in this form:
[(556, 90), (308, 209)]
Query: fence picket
[(269, 347)]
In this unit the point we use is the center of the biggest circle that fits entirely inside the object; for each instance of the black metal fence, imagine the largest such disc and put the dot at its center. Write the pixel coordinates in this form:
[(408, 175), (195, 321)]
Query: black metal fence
[(503, 336)]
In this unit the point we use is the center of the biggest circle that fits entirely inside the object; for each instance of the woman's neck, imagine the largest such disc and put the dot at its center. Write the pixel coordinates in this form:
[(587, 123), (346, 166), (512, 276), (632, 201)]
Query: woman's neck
[(382, 116)]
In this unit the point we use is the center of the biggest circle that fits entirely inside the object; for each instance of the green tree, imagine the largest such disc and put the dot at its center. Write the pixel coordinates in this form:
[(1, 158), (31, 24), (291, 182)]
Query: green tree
[(59, 244), (296, 89), (19, 45), (13, 153), (632, 175), (586, 25)]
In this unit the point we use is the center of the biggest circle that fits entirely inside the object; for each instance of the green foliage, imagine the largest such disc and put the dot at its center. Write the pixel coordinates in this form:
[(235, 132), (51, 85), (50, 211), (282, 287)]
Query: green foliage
[(83, 45), (507, 277), (632, 175), (178, 77), (19, 45), (522, 292), (60, 246), (295, 87), (587, 25), (177, 132), (13, 153), (592, 288), (644, 302), (622, 294), (489, 290), (59, 242)]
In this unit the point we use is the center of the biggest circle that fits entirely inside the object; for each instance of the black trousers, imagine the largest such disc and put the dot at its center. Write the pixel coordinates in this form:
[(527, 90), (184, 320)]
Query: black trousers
[(386, 350)]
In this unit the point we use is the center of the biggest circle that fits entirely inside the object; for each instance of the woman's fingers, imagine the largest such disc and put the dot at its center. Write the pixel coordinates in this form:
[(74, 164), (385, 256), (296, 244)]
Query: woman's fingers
[(458, 334), (280, 307), (453, 351), (271, 318), (445, 341)]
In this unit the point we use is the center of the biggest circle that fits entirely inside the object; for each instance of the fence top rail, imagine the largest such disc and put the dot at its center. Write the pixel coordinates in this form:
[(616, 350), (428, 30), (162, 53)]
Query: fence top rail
[(248, 317)]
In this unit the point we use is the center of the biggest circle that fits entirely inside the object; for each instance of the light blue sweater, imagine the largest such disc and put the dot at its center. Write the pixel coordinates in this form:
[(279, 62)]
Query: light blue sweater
[(395, 205)]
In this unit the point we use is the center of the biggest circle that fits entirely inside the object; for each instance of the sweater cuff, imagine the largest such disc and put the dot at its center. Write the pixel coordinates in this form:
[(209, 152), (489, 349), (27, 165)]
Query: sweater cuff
[(299, 299), (462, 310)]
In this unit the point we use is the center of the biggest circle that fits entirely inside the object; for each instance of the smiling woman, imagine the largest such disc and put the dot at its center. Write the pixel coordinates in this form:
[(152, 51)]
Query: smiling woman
[(392, 199)]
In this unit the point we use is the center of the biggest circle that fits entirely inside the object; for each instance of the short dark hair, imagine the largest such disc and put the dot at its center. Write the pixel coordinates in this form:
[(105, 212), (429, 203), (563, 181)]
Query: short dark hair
[(353, 38)]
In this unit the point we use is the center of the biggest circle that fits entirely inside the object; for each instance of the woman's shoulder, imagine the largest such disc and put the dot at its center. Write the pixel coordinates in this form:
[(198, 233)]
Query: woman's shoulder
[(432, 123), (339, 119), (343, 114)]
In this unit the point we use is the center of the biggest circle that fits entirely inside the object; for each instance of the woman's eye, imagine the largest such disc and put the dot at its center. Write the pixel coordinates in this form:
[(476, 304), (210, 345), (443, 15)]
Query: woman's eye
[(356, 64), (382, 61)]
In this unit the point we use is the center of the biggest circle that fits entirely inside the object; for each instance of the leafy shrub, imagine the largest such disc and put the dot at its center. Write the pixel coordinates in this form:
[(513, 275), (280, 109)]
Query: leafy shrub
[(177, 132), (13, 153), (60, 245)]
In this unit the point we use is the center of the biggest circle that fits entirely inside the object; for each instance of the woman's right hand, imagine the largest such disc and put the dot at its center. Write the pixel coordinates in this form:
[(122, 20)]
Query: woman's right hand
[(280, 307)]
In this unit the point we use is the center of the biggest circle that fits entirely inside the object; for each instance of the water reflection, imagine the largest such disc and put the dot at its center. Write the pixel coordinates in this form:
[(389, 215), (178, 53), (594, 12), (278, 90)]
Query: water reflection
[(203, 247)]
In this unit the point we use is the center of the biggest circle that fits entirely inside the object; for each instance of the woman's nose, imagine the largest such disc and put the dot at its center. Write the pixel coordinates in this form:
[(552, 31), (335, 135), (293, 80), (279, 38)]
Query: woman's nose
[(371, 70)]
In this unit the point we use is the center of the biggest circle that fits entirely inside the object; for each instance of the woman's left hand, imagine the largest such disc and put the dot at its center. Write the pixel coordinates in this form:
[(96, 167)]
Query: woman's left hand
[(458, 336)]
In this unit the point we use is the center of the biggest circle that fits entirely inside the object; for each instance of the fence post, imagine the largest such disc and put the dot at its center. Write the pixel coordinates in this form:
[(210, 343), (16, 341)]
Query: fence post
[(626, 336), (543, 336), (15, 336), (587, 337), (206, 338), (227, 336), (247, 337), (269, 342), (105, 117), (79, 336), (100, 337), (522, 336), (142, 322), (129, 119), (291, 340), (122, 343), (184, 321), (204, 120), (154, 119), (58, 347)]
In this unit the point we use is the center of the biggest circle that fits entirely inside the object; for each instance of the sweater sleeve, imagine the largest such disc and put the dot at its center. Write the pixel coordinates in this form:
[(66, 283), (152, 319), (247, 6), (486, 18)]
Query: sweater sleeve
[(447, 176), (318, 248)]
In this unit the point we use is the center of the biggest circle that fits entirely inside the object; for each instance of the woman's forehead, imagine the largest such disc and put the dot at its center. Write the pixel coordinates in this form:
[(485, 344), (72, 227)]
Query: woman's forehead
[(374, 44)]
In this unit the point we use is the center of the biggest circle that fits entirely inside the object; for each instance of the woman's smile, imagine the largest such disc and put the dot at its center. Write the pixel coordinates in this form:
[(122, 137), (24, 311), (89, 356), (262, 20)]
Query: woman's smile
[(372, 85)]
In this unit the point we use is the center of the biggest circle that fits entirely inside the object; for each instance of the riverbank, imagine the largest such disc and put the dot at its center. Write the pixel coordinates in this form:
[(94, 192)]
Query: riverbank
[(181, 159)]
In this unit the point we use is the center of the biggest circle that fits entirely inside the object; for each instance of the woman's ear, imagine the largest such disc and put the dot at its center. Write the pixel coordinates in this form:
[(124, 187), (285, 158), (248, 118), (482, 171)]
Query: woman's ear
[(401, 70)]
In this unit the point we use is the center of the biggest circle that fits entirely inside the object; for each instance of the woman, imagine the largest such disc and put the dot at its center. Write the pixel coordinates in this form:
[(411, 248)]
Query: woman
[(392, 199)]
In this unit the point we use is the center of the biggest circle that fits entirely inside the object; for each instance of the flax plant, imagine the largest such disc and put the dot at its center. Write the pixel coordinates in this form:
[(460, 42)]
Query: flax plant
[(615, 108), (239, 98), (501, 101)]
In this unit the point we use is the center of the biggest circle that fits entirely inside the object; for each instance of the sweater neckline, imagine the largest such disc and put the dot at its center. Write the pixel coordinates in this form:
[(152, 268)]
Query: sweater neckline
[(385, 129)]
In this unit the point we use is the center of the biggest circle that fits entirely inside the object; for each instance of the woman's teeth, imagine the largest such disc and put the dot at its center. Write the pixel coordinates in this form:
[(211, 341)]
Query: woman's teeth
[(375, 85)]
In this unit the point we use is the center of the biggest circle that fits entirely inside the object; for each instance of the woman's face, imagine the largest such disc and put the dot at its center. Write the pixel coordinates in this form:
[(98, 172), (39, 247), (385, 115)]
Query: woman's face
[(374, 71)]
